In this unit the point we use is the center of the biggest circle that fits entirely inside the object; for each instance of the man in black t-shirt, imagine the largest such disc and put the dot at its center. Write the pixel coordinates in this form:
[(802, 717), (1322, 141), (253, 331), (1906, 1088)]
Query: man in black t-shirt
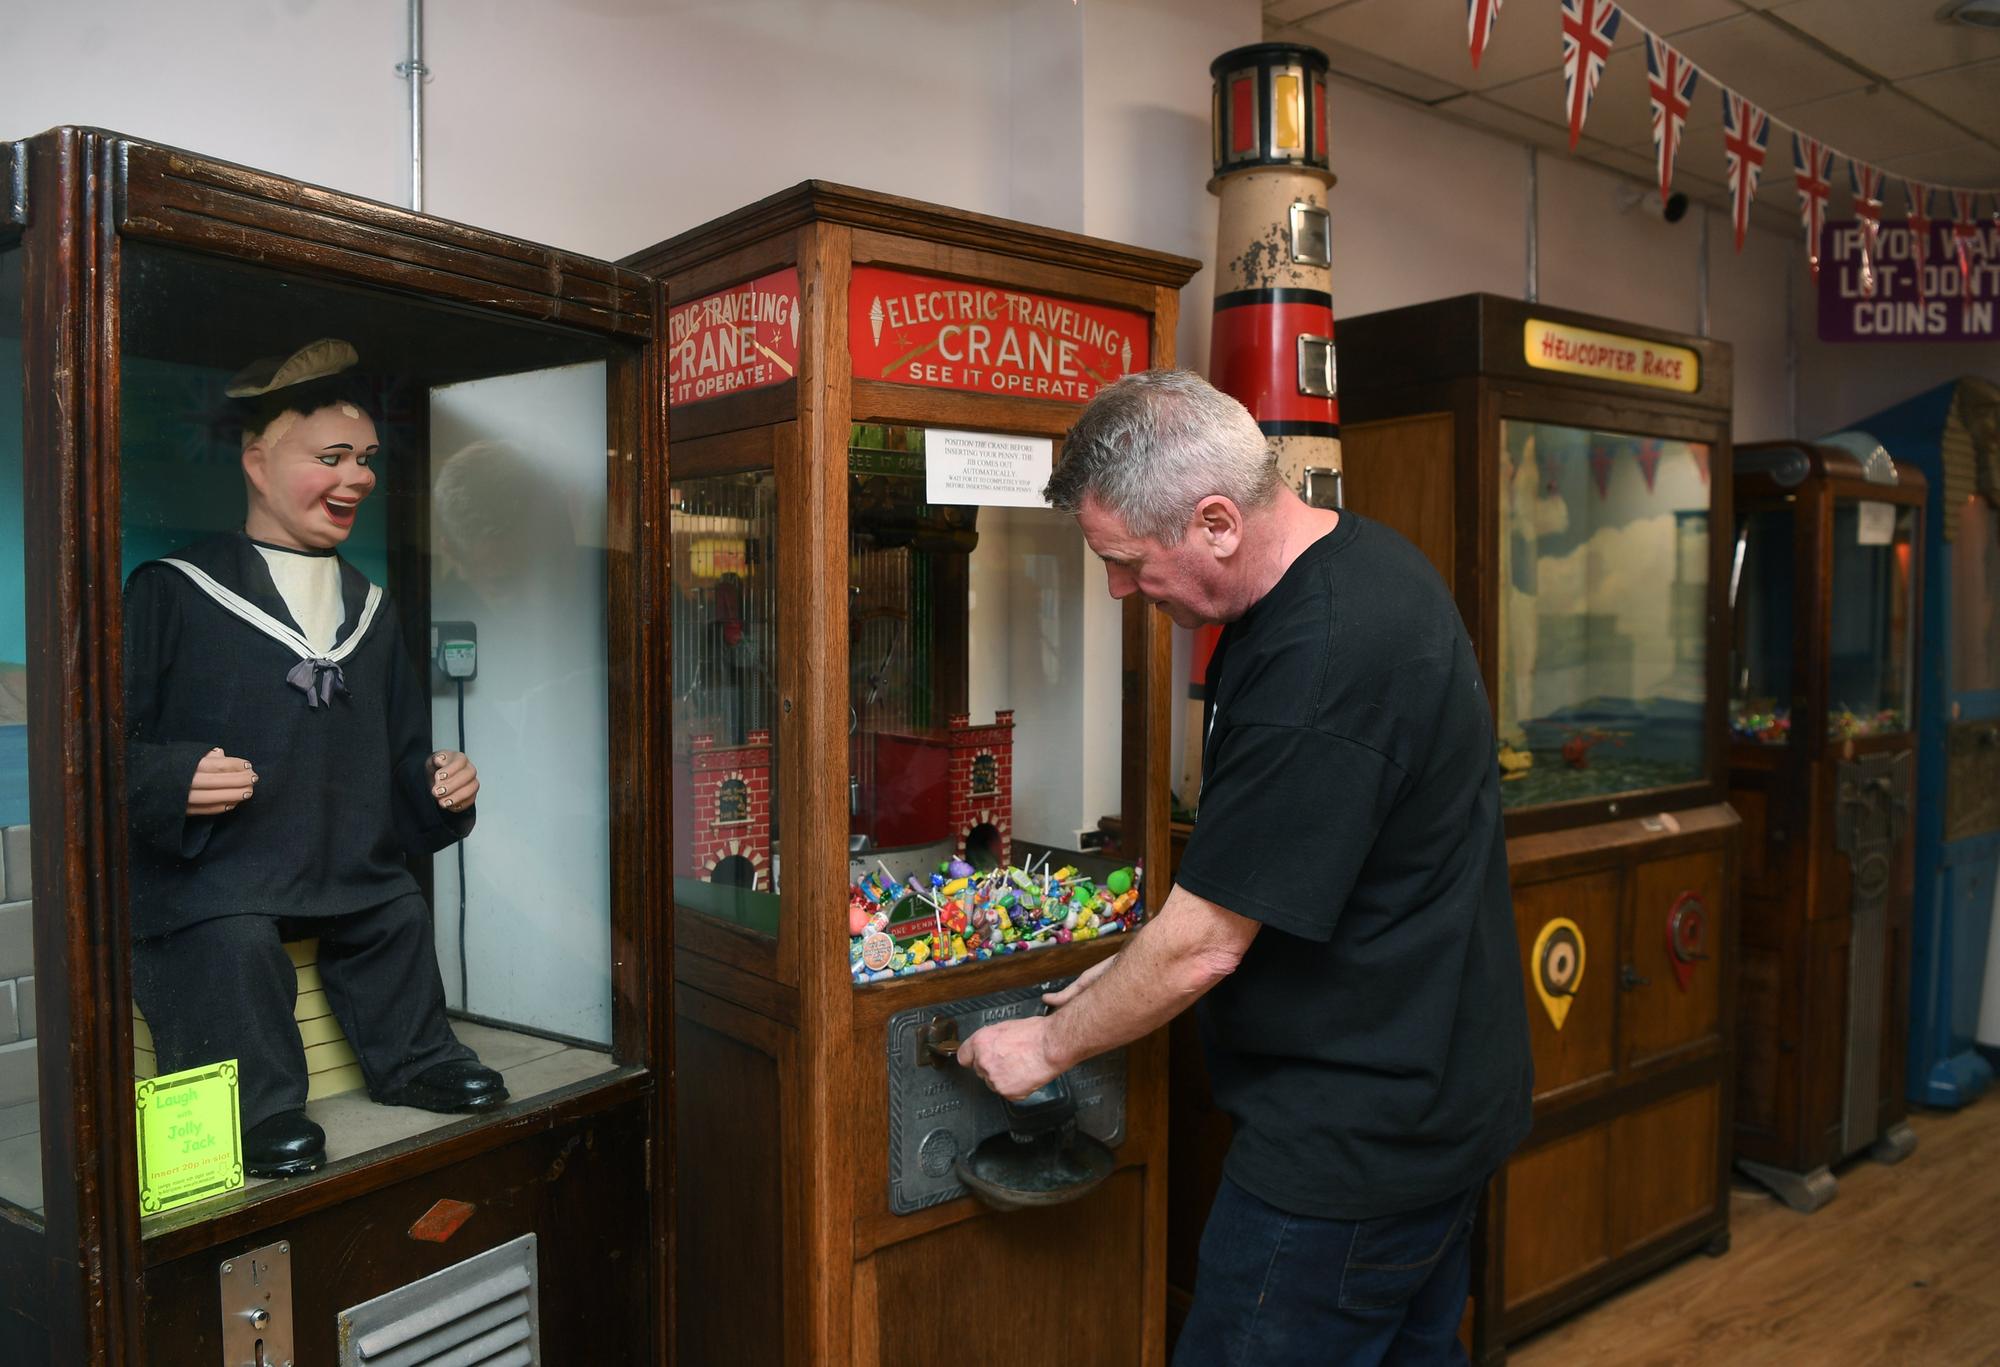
[(1342, 912)]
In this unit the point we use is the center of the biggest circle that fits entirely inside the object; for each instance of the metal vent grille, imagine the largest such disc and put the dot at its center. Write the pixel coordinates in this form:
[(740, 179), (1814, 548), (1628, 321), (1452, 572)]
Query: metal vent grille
[(483, 1312)]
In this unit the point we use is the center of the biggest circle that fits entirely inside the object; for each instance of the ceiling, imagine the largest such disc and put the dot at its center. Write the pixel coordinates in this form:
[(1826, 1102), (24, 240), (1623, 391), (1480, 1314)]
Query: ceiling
[(1881, 80)]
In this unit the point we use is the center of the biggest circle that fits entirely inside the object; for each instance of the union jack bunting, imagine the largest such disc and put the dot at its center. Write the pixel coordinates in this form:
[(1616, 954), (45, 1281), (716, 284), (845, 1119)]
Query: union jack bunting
[(1588, 27), (1670, 78), (1963, 230), (1866, 183), (1479, 17), (1919, 222), (1812, 170), (1746, 132)]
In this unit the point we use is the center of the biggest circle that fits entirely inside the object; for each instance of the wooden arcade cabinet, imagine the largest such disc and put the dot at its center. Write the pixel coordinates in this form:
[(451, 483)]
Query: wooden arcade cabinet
[(1951, 435), (1826, 573), (866, 393), (1564, 473), (519, 461)]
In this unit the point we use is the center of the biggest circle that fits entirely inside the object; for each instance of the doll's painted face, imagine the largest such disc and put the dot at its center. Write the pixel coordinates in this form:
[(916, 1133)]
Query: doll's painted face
[(307, 475)]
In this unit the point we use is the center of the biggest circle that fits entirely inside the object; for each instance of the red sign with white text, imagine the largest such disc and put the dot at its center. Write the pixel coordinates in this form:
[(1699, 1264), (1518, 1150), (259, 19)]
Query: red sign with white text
[(744, 337), (952, 334)]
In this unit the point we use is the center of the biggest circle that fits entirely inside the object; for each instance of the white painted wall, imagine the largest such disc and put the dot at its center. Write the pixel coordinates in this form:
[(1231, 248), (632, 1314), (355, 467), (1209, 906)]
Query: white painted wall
[(306, 88), (1426, 208), (1840, 382), (606, 125)]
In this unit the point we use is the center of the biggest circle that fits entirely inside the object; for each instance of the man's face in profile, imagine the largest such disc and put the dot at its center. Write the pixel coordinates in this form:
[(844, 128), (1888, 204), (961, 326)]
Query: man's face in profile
[(1178, 579)]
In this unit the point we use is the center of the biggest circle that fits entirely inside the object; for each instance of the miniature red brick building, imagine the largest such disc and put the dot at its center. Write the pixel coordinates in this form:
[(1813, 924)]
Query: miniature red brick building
[(979, 780), (732, 810)]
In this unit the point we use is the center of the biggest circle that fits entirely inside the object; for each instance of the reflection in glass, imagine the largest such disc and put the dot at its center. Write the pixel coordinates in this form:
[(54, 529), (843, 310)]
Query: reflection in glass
[(1868, 655), (365, 538), (1603, 612), (1763, 600), (20, 1112), (1975, 597), (985, 719), (725, 641)]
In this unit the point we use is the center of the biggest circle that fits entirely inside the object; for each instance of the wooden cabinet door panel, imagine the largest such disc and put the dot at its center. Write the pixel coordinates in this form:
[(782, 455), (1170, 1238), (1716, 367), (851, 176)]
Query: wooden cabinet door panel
[(1581, 1049), (1557, 1226), (1663, 1166), (1658, 1016)]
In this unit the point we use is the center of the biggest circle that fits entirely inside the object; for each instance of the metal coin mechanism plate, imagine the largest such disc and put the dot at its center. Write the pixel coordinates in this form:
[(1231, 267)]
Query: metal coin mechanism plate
[(928, 1095)]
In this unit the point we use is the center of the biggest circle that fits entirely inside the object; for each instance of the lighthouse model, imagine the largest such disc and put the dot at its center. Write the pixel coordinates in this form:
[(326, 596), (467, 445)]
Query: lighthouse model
[(1271, 347), (1272, 344)]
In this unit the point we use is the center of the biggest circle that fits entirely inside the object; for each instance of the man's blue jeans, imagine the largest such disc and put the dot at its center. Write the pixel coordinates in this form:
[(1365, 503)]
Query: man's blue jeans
[(1276, 1289)]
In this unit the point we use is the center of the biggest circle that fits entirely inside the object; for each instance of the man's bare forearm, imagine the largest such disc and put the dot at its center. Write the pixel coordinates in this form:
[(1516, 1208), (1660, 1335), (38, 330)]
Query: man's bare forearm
[(1188, 947)]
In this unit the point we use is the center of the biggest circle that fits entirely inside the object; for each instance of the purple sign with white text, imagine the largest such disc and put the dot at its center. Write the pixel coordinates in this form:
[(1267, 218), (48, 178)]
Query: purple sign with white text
[(1905, 306)]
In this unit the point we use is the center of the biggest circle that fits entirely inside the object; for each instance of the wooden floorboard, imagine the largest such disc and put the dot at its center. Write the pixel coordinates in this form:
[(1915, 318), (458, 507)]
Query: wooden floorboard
[(1903, 1267)]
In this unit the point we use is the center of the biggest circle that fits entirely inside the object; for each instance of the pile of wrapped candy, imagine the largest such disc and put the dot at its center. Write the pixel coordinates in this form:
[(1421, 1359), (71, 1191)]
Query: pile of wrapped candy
[(956, 916), (1773, 727), (1846, 724)]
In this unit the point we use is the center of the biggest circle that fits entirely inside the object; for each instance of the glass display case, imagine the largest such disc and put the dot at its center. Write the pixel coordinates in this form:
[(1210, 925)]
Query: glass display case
[(1569, 478), (23, 1334), (337, 697), (984, 739), (1873, 632), (903, 699), (1825, 574), (1603, 668), (1763, 594)]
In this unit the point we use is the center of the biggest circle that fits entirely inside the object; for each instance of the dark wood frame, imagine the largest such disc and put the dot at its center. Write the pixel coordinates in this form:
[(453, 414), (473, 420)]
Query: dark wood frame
[(790, 1000), (88, 191), (1795, 890), (1462, 362)]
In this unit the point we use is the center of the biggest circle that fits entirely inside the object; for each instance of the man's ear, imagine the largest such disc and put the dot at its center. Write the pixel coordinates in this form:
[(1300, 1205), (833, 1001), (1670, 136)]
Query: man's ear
[(1220, 523)]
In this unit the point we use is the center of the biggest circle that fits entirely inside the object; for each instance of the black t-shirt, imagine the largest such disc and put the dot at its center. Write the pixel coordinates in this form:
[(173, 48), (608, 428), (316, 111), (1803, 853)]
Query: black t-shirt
[(1372, 1047)]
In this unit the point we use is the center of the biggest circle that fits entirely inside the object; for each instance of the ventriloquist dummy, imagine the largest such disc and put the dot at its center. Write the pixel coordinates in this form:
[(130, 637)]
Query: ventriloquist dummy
[(279, 773)]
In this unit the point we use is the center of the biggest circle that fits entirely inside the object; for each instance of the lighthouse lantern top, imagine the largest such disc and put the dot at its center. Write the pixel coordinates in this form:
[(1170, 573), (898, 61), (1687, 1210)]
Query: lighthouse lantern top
[(1269, 109)]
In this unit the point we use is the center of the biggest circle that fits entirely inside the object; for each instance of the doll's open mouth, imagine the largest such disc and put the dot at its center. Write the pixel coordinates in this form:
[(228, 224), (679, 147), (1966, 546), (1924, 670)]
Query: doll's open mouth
[(340, 512)]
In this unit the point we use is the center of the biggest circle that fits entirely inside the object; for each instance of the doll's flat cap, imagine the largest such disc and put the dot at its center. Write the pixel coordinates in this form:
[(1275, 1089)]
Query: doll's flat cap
[(314, 361)]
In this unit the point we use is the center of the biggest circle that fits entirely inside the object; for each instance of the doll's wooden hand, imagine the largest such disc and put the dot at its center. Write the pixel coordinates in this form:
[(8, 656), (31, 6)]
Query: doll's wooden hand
[(220, 782), (454, 782)]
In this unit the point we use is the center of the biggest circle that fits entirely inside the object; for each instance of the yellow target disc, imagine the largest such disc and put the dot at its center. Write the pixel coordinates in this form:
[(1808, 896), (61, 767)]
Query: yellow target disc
[(1558, 961)]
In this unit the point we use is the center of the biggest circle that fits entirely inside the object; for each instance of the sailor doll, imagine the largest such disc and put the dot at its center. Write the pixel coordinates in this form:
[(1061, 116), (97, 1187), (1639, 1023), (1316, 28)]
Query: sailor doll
[(279, 772)]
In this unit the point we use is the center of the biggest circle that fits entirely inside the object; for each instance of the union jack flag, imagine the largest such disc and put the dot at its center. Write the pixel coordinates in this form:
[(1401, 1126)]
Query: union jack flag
[(1963, 230), (1746, 132), (1866, 183), (1670, 78), (1920, 228), (1588, 28), (1479, 17), (1812, 171)]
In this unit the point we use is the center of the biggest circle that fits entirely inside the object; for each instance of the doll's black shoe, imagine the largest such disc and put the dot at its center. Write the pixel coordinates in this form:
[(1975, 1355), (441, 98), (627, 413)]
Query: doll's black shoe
[(283, 1145), (459, 1085)]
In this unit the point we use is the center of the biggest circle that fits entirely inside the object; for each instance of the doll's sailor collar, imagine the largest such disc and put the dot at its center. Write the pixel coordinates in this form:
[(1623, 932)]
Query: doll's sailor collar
[(316, 675)]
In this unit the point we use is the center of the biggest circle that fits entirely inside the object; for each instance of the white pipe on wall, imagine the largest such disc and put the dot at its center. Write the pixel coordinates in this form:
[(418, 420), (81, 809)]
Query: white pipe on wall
[(413, 70)]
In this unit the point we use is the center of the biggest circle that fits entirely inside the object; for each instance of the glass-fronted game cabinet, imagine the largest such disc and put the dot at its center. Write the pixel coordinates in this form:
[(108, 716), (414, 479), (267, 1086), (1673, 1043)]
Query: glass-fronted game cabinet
[(1567, 475), (321, 1042), (1951, 435), (1824, 570), (902, 698)]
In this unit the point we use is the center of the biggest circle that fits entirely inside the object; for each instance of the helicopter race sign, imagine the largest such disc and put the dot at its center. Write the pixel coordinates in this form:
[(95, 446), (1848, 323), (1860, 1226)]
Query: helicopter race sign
[(1920, 293)]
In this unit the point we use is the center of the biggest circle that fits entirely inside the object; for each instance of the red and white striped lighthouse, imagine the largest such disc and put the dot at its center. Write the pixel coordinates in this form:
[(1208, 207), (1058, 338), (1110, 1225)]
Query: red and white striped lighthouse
[(1272, 344)]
